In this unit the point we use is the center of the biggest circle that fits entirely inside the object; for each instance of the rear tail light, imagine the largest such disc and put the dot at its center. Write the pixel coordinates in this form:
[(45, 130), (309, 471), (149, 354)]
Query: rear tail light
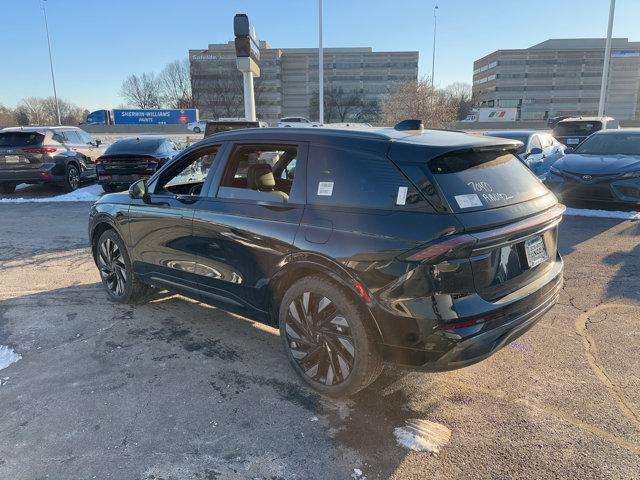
[(45, 175), (455, 247), (99, 160), (40, 150), (154, 160)]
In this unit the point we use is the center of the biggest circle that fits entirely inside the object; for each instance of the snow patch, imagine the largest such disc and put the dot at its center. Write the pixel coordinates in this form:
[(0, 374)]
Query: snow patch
[(585, 212), (7, 356), (422, 435), (86, 194)]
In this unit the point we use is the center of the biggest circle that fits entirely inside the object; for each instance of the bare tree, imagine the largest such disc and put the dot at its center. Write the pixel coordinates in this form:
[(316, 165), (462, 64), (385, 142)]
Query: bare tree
[(42, 111), (343, 106), (175, 85), (34, 109), (7, 116), (460, 94), (219, 95), (418, 99), (142, 91)]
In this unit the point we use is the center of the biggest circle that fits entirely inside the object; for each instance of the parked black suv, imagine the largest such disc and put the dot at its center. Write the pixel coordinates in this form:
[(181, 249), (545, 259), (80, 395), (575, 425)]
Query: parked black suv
[(426, 248), (60, 155), (131, 158)]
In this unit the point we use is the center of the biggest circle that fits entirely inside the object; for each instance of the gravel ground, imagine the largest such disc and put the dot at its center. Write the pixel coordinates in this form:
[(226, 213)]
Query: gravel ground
[(179, 390)]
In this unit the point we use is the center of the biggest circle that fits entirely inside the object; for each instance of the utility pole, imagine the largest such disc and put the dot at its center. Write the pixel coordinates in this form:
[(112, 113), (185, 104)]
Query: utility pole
[(53, 77), (320, 67), (433, 58), (605, 67)]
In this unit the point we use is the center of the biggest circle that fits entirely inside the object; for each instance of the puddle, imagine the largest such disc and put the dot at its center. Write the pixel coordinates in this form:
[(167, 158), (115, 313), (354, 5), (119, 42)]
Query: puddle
[(7, 356), (422, 435)]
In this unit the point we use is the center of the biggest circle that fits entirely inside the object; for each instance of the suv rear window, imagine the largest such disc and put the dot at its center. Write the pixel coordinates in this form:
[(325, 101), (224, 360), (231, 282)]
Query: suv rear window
[(581, 128), (350, 178), (480, 180), (20, 139)]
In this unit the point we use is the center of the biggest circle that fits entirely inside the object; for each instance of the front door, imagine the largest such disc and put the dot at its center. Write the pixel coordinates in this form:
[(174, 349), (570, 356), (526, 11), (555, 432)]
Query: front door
[(246, 227), (161, 226)]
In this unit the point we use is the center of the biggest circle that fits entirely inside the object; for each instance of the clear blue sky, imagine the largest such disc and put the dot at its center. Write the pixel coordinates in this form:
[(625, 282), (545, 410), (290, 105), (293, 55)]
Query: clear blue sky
[(97, 43)]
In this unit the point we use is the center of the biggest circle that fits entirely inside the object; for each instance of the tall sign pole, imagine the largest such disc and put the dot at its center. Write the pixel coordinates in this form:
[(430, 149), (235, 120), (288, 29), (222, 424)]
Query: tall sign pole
[(607, 55), (320, 67), (247, 57), (433, 57), (53, 77)]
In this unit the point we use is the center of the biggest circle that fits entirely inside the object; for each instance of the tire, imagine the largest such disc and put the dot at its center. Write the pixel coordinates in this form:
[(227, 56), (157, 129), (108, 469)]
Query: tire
[(109, 188), (315, 347), (197, 130), (116, 272), (71, 178), (7, 187)]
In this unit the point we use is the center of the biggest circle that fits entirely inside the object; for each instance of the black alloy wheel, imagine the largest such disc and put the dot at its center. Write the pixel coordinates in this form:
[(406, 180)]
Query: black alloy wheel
[(328, 337), (113, 269), (320, 339), (72, 178)]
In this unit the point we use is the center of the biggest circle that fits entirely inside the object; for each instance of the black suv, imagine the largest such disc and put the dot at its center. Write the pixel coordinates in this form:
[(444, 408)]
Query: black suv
[(60, 155), (426, 248)]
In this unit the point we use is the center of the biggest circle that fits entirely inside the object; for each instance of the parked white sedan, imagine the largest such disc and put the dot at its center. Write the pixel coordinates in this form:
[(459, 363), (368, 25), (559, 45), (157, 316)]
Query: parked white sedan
[(297, 122), (197, 127)]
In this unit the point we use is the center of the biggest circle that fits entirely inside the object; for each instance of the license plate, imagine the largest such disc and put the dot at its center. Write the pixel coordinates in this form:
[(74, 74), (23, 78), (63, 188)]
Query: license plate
[(536, 251), (573, 141), (125, 178), (12, 159)]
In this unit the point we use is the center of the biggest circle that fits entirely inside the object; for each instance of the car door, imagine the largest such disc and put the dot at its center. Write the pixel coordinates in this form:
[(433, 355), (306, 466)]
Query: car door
[(246, 225), (161, 225), (83, 153)]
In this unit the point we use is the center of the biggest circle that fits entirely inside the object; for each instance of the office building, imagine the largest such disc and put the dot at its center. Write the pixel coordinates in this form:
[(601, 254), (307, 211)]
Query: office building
[(560, 77), (355, 81)]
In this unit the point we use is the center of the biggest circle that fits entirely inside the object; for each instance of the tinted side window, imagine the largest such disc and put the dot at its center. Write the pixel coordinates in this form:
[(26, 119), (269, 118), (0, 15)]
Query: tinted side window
[(360, 179), (72, 137)]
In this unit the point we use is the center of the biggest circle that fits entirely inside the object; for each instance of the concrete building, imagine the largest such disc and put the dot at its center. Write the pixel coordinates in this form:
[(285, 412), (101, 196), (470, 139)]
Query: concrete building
[(355, 81), (560, 77)]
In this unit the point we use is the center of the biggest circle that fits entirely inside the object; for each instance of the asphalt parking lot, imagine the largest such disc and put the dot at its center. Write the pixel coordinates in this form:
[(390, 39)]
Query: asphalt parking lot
[(180, 390)]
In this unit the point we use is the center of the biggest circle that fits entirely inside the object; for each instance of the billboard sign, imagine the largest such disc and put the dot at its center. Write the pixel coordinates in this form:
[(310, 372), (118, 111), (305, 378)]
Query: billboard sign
[(176, 116)]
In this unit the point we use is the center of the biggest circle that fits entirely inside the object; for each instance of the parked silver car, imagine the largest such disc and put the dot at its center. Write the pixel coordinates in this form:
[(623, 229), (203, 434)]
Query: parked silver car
[(539, 149)]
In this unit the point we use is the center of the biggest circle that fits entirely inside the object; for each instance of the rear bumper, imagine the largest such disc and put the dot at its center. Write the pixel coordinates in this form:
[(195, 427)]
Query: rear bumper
[(39, 175), (450, 349)]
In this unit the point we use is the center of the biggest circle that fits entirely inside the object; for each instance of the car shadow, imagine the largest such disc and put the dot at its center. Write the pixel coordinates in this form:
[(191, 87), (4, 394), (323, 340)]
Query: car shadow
[(574, 230), (625, 281), (134, 373), (42, 190)]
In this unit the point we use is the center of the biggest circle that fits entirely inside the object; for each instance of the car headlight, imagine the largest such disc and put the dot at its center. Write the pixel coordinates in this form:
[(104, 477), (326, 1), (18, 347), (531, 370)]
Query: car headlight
[(555, 171), (631, 174)]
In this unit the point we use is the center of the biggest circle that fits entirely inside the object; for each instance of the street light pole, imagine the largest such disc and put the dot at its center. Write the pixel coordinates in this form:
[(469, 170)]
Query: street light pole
[(605, 66), (320, 67), (433, 58), (53, 77)]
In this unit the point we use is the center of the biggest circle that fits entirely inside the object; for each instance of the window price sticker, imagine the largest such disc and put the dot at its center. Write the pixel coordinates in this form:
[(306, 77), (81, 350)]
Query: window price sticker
[(401, 199), (468, 201), (325, 189)]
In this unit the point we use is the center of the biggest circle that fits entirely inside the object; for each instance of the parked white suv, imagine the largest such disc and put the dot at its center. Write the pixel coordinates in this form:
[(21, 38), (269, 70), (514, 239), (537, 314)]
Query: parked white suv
[(297, 122)]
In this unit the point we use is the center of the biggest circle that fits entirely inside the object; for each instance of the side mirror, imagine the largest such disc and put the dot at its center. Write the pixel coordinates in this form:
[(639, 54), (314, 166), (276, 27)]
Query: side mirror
[(568, 150), (98, 143), (139, 190), (535, 151)]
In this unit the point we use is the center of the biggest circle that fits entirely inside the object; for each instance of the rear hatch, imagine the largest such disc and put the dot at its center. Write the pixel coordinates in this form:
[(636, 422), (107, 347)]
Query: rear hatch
[(23, 150), (509, 217), (572, 132)]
